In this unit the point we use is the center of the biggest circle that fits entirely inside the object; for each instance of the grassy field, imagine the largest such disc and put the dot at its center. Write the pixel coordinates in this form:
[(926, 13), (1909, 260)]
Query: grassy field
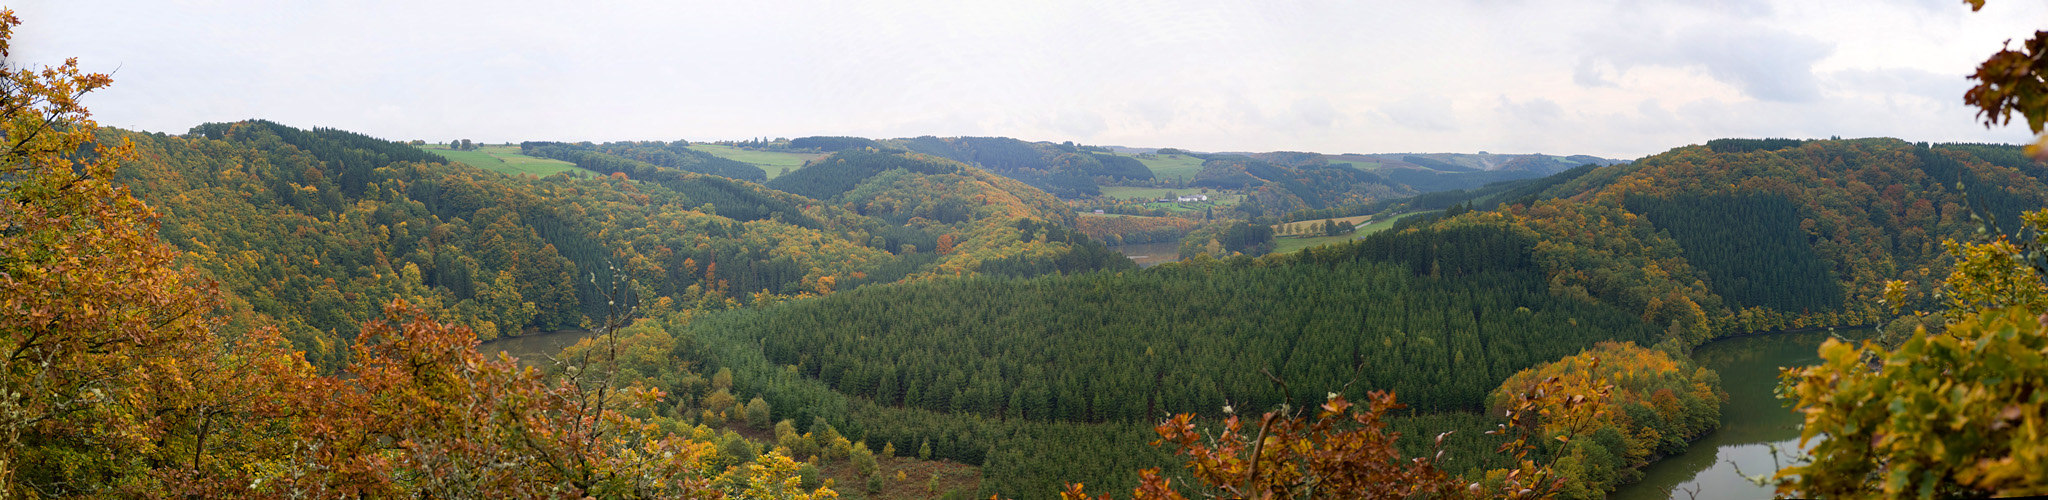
[(1216, 198), (1289, 245), (1172, 166), (1289, 227), (916, 482), (771, 161), (507, 159)]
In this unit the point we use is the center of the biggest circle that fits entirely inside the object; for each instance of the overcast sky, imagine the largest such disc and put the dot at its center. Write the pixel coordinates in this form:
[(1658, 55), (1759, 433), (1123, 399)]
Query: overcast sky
[(1619, 79)]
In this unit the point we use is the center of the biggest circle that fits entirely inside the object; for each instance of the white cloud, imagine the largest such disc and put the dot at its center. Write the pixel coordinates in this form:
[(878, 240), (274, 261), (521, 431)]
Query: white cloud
[(1609, 77), (1534, 111), (1765, 63), (1903, 82), (1421, 113)]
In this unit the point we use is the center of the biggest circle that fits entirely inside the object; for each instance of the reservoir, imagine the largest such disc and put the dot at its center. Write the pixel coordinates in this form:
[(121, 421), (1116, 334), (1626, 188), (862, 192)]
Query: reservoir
[(1752, 421)]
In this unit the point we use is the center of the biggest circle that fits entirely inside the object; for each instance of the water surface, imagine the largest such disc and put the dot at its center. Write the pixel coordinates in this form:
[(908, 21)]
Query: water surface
[(1752, 421)]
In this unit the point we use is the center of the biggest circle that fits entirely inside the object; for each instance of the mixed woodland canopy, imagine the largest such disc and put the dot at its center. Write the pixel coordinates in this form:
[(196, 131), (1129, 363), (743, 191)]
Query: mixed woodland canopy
[(255, 310)]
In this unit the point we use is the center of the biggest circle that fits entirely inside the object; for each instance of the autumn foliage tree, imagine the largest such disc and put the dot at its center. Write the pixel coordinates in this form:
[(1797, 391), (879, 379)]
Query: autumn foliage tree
[(2010, 81), (94, 313), (425, 414), (1611, 409), (119, 379), (1335, 450), (1954, 413), (1950, 413)]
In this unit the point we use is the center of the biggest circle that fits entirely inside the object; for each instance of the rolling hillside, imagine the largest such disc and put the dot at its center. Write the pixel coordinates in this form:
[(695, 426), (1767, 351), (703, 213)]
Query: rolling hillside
[(1775, 234), (506, 160), (1671, 251), (313, 230)]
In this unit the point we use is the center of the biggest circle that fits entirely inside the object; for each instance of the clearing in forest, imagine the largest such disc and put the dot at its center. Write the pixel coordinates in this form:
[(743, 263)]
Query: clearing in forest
[(1289, 245), (771, 161), (1171, 167), (506, 159)]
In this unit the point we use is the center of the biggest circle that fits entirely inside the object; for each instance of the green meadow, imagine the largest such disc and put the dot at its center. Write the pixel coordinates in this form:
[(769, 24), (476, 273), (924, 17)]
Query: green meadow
[(1292, 227), (771, 161), (1216, 198), (1172, 167), (1289, 245), (506, 159)]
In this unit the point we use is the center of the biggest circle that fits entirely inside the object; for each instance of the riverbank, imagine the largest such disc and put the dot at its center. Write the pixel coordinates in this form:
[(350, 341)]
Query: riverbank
[(1757, 430), (1809, 329)]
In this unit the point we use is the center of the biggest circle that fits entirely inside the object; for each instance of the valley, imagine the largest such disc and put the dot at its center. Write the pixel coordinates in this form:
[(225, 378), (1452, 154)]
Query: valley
[(1715, 467), (916, 303), (1129, 274)]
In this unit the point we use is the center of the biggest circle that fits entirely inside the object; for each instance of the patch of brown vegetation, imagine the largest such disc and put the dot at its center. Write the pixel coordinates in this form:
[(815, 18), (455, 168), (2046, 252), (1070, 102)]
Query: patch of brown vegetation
[(917, 478)]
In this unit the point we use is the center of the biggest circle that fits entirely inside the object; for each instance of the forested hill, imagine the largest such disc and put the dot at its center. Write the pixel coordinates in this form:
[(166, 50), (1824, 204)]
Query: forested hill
[(314, 230), (1669, 251), (1040, 380), (1277, 182), (1769, 234), (983, 222), (1448, 171), (1305, 182), (1063, 169)]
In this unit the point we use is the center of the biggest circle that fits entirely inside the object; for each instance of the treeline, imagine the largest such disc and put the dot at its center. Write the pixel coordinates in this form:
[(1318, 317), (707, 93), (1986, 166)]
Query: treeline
[(653, 161), (679, 156), (1336, 212), (1748, 145), (1310, 184), (832, 144), (1512, 192), (976, 221), (1871, 211), (1433, 180), (1132, 230), (1324, 228), (1064, 169), (829, 177), (1614, 408), (1437, 165), (1224, 238), (705, 192)]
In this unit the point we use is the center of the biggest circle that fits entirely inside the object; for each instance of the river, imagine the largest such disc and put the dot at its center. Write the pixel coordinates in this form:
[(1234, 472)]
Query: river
[(1752, 421)]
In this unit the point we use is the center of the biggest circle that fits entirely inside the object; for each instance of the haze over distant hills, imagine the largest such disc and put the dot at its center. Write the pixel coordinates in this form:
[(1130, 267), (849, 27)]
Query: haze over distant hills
[(1277, 182), (929, 294)]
